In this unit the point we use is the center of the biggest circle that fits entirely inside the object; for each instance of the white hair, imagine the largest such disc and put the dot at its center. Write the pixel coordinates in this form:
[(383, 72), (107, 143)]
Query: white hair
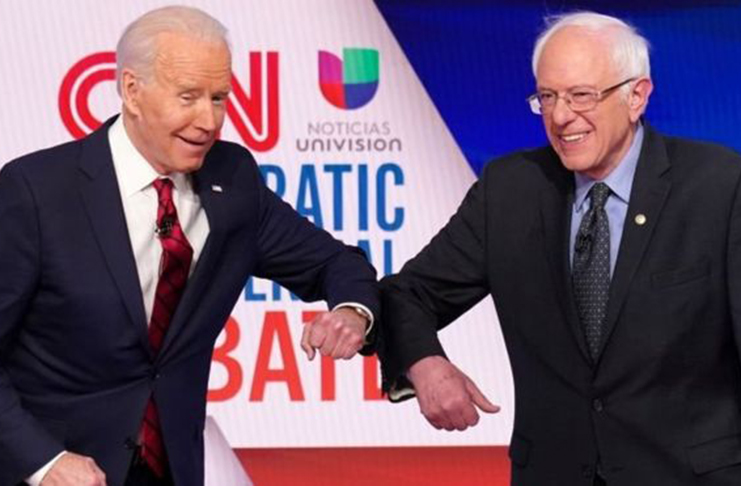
[(629, 48), (137, 47)]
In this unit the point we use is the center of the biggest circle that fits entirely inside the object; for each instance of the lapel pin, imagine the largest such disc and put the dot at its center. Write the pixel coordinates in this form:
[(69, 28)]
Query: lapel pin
[(217, 188), (640, 219)]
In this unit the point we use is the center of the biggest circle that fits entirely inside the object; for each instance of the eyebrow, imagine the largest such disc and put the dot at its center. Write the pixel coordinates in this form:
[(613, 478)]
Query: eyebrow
[(186, 87), (578, 86)]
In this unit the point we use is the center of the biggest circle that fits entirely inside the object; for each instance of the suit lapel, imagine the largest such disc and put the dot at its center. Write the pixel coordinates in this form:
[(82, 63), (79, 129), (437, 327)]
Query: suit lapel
[(556, 202), (213, 191), (651, 186), (100, 195)]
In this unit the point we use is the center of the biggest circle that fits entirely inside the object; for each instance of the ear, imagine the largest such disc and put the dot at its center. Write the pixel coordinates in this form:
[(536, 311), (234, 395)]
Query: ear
[(131, 90), (638, 97)]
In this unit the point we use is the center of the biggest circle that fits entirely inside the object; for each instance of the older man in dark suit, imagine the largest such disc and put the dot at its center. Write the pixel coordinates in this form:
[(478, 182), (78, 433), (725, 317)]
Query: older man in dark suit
[(614, 260), (121, 256)]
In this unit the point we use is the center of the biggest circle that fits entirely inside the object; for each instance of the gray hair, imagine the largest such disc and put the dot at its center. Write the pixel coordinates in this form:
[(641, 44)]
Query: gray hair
[(629, 48), (137, 47)]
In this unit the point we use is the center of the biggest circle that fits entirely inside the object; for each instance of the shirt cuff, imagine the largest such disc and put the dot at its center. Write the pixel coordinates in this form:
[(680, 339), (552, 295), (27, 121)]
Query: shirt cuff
[(362, 310), (38, 476), (398, 394)]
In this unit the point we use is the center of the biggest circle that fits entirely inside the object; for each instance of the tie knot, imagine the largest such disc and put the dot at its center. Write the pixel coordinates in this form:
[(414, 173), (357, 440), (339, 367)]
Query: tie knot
[(164, 189), (599, 194)]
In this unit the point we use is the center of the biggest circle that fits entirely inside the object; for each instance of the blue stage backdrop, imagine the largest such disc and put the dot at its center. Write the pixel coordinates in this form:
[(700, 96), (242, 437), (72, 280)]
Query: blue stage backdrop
[(473, 57)]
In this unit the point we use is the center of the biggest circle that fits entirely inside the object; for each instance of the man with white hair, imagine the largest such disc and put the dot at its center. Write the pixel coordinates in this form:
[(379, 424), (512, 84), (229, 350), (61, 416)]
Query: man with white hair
[(614, 260), (121, 257)]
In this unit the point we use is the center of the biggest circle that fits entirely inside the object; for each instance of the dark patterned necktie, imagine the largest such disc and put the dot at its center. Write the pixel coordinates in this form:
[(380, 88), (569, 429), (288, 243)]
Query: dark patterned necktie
[(591, 268), (177, 255)]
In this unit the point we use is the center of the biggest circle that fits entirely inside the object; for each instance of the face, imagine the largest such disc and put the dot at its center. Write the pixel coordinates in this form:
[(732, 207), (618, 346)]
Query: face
[(174, 117), (591, 142)]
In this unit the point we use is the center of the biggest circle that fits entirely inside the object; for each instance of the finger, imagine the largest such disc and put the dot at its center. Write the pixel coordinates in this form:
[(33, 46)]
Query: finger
[(333, 335), (339, 336), (101, 479), (97, 473), (440, 419), (100, 475), (449, 425), (458, 413), (317, 335), (348, 352), (479, 399), (348, 345), (461, 424), (434, 423), (437, 421), (430, 413), (339, 351), (305, 342), (454, 421), (469, 415), (329, 344)]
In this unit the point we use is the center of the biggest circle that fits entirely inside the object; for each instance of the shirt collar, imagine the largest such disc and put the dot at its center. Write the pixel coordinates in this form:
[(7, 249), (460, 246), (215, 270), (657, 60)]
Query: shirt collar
[(133, 172), (620, 180)]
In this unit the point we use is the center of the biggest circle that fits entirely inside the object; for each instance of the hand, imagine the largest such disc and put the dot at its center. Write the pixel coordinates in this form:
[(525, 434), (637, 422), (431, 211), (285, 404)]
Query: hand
[(447, 397), (339, 334), (74, 470)]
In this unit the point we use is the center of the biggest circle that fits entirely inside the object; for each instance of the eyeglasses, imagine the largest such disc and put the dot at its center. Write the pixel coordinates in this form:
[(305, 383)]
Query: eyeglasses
[(577, 99)]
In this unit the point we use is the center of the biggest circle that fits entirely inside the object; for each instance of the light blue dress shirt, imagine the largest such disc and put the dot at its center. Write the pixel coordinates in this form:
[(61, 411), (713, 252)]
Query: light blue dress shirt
[(620, 182)]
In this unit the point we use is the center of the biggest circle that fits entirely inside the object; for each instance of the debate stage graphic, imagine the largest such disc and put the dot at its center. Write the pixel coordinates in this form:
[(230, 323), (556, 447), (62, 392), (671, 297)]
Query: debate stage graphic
[(372, 119)]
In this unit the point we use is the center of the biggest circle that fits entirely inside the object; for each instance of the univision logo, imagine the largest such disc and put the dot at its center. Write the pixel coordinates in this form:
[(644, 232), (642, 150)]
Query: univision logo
[(351, 82)]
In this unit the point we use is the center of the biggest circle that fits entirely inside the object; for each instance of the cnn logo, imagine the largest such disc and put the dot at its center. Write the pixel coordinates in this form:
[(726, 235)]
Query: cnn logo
[(254, 116)]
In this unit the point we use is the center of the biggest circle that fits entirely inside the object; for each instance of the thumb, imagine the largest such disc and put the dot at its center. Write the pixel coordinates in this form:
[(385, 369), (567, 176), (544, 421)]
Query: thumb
[(479, 399), (308, 349)]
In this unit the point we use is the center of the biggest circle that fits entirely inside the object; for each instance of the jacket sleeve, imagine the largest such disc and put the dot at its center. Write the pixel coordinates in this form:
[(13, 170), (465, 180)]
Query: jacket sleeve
[(734, 267), (24, 444), (308, 260), (443, 281)]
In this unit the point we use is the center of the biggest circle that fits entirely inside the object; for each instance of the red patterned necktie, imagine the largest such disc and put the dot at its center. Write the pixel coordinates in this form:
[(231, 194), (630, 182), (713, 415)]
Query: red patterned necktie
[(177, 255)]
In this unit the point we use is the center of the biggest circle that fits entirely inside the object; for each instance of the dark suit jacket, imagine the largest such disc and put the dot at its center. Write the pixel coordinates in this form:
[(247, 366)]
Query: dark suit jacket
[(76, 369), (662, 405)]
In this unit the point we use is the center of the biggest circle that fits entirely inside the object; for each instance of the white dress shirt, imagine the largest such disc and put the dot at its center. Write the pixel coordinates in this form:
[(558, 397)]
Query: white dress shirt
[(139, 198)]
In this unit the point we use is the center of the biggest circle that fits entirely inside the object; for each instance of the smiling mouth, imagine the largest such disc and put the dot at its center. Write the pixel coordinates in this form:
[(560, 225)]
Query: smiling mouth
[(574, 137), (195, 143)]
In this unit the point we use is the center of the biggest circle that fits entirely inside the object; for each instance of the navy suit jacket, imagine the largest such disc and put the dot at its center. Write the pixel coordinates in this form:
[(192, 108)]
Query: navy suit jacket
[(76, 369), (662, 403)]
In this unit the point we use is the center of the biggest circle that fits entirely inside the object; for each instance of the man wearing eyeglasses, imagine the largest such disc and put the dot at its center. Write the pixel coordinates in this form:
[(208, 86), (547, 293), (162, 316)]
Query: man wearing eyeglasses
[(614, 260)]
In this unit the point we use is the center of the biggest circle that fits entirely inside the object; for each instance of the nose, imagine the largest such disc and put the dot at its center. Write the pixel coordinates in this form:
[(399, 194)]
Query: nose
[(208, 119), (561, 113)]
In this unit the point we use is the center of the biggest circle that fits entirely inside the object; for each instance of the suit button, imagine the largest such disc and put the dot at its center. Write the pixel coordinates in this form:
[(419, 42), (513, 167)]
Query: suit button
[(597, 405), (587, 471), (129, 443), (153, 378)]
